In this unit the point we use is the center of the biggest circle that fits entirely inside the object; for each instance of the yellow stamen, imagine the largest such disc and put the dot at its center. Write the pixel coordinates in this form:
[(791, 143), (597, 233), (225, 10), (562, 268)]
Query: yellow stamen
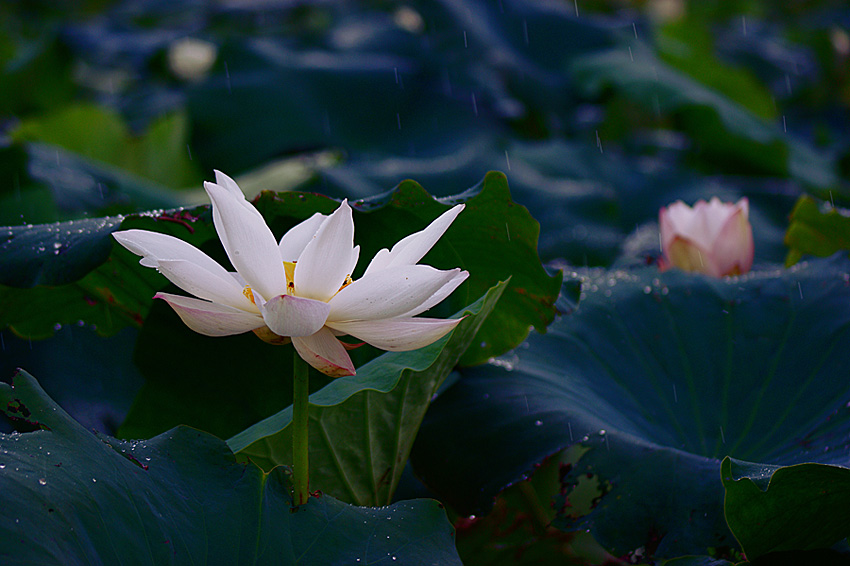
[(289, 269), (249, 294), (348, 281)]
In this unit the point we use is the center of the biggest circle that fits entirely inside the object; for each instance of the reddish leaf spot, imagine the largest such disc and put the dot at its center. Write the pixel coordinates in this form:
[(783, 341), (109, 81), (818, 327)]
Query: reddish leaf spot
[(181, 217)]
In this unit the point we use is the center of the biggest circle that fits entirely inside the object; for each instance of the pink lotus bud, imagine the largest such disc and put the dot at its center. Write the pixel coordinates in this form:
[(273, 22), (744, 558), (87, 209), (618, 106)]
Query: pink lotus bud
[(713, 237)]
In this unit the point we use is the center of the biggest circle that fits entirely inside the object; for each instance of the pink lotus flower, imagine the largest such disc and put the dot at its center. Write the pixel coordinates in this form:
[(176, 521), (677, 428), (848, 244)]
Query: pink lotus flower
[(713, 237), (300, 289)]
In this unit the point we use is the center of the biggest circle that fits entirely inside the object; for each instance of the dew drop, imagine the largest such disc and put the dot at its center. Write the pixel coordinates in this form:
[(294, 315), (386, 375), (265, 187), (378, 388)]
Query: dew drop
[(2, 466), (94, 480), (538, 423), (42, 481)]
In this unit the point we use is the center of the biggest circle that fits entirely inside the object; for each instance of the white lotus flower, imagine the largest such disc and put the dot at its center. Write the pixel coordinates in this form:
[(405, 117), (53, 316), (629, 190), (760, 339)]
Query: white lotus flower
[(713, 237), (300, 288)]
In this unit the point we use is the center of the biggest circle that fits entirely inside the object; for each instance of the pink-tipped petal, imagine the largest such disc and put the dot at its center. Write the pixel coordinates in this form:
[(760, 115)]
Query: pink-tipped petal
[(296, 239), (248, 241), (411, 249), (323, 265), (389, 293), (287, 315), (733, 247), (398, 334), (324, 352), (211, 319)]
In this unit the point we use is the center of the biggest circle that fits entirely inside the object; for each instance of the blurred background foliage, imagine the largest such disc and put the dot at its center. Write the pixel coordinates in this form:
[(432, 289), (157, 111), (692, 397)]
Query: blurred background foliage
[(598, 112)]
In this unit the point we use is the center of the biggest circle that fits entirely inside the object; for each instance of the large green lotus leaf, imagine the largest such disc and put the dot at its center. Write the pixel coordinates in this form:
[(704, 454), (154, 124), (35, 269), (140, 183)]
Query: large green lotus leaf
[(723, 132), (816, 229), (494, 239), (367, 422), (73, 273), (73, 497), (54, 254), (800, 507), (660, 375)]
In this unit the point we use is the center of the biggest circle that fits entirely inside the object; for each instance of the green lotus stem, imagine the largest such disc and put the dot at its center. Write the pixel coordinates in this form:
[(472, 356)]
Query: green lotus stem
[(300, 405)]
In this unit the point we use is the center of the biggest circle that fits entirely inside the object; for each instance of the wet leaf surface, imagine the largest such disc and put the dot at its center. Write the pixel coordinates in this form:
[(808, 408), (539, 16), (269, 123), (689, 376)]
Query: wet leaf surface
[(180, 498)]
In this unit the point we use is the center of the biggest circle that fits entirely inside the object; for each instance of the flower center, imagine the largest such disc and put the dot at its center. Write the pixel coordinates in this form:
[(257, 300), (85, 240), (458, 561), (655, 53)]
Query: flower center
[(289, 269)]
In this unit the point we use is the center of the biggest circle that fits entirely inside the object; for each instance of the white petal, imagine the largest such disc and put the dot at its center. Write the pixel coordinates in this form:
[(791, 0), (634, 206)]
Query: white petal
[(379, 262), (325, 353), (226, 182), (294, 316), (248, 241), (397, 334), (352, 262), (211, 319), (186, 266), (297, 238), (438, 297), (411, 249), (326, 259), (389, 293)]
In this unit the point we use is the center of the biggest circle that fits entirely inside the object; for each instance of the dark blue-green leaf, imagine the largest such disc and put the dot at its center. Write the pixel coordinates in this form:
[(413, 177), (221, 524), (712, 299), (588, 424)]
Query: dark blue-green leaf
[(659, 375), (70, 496)]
